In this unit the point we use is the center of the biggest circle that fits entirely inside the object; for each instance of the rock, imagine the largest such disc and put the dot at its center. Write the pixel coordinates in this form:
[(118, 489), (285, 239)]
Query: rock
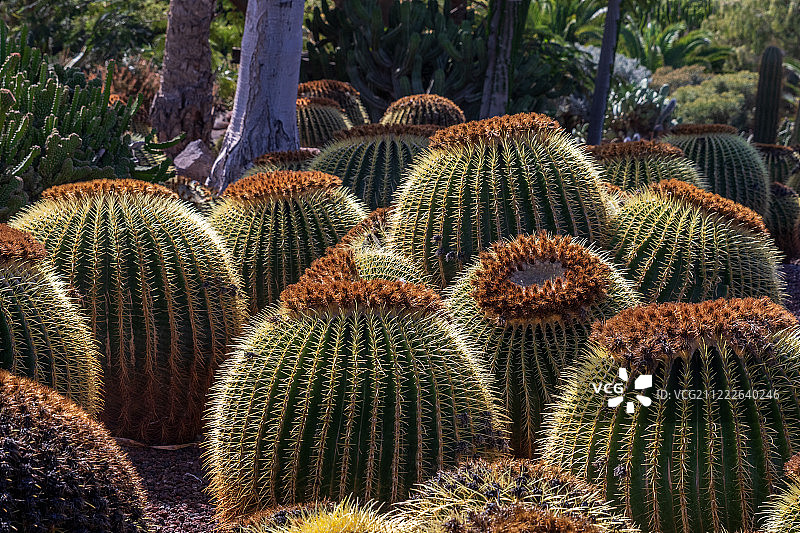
[(195, 161)]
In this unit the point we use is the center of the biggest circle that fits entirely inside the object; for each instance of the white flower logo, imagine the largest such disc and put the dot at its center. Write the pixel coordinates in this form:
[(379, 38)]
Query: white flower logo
[(645, 381)]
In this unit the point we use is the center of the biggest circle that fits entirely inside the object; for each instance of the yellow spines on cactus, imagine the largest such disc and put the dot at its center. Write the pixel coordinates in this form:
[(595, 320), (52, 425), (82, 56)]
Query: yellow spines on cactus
[(781, 513), (344, 94), (784, 219), (783, 162), (318, 120), (423, 109)]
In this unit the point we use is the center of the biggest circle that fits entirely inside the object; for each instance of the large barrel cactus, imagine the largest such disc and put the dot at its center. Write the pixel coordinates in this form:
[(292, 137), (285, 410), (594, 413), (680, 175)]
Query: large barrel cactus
[(783, 220), (347, 516), (423, 109), (357, 383), (528, 304), (781, 514), (679, 243), (275, 224), (61, 471), (341, 92), (783, 163), (733, 168), (318, 119), (161, 293), (684, 414), (483, 181)]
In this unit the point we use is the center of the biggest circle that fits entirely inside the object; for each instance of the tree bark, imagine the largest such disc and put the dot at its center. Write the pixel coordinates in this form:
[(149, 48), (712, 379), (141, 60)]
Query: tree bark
[(501, 37), (264, 112), (605, 67), (184, 101)]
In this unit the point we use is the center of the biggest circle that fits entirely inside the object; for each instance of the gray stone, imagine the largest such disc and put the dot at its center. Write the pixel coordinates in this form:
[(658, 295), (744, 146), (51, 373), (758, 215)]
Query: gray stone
[(195, 161)]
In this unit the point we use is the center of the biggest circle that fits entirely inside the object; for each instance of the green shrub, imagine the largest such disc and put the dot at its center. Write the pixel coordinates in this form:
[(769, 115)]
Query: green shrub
[(722, 99)]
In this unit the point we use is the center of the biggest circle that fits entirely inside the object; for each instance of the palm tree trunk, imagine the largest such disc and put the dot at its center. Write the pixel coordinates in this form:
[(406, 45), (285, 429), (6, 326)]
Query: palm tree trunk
[(501, 37), (605, 67)]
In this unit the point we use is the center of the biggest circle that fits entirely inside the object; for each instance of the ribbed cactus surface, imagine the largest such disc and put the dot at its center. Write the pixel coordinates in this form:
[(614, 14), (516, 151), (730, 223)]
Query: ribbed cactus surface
[(275, 224), (768, 95), (160, 291), (783, 163), (371, 233), (318, 119), (344, 94), (528, 304), (784, 219), (781, 514), (701, 447), (483, 181), (423, 109)]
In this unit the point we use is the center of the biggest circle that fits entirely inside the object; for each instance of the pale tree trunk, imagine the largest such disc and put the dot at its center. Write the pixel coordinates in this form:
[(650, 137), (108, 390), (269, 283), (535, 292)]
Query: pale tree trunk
[(264, 113), (501, 38), (184, 101), (605, 67)]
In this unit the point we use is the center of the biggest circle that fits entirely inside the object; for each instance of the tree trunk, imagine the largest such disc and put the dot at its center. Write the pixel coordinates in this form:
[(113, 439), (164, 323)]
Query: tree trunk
[(184, 101), (605, 67), (501, 37), (264, 113)]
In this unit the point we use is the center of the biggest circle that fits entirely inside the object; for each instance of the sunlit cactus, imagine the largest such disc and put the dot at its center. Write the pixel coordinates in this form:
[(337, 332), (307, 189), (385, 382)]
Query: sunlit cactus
[(784, 219), (528, 305), (275, 224), (288, 160), (704, 415), (679, 243), (318, 119), (357, 383), (372, 232), (42, 333), (344, 94), (781, 513), (483, 181), (160, 291), (423, 109), (783, 163)]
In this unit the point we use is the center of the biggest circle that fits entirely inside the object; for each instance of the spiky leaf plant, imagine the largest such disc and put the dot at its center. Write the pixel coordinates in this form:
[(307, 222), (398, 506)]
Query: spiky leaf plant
[(60, 470), (344, 94), (781, 513), (702, 445), (783, 163), (318, 119), (372, 159), (423, 109), (784, 219), (288, 160), (275, 224), (483, 181), (192, 191), (528, 305), (635, 164), (733, 168), (679, 243), (357, 383), (161, 293), (42, 333)]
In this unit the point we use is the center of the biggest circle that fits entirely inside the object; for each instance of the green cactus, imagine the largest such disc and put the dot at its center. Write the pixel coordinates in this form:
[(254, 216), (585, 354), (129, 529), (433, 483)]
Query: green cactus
[(371, 233), (288, 160), (42, 333), (783, 221), (483, 181), (342, 93), (354, 384), (161, 293), (702, 445), (769, 96), (679, 243), (371, 159), (61, 469), (276, 224), (733, 168), (318, 119), (781, 513), (423, 109), (783, 163)]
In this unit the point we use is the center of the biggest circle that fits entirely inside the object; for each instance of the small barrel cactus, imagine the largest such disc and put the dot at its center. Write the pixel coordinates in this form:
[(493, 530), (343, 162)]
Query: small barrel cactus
[(357, 383), (423, 109), (635, 164), (783, 221), (733, 168), (275, 224), (161, 293), (372, 159), (483, 181), (288, 160), (682, 413), (781, 513), (318, 119), (59, 469), (528, 304), (344, 94), (783, 163), (680, 243)]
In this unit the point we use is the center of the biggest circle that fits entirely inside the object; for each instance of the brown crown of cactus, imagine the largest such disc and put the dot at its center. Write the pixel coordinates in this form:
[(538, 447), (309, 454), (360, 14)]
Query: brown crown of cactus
[(525, 518), (537, 278), (327, 86), (634, 149), (641, 337), (376, 220), (776, 149), (792, 466), (84, 189), (281, 184), (431, 99), (493, 129), (703, 129), (318, 102), (289, 156), (711, 203), (377, 130), (16, 244)]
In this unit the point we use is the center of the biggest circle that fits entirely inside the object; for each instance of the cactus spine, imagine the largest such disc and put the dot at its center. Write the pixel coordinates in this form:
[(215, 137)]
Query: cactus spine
[(769, 95), (784, 219), (344, 94), (423, 109), (781, 514), (783, 163), (318, 119)]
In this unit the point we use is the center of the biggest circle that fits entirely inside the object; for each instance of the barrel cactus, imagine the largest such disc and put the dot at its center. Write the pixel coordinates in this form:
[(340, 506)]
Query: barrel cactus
[(783, 163), (344, 94), (371, 159), (682, 413), (528, 305), (357, 383), (161, 293), (318, 119), (733, 168), (781, 514), (784, 219), (347, 516), (288, 160), (679, 243), (371, 232), (276, 223), (59, 469), (483, 181), (423, 109)]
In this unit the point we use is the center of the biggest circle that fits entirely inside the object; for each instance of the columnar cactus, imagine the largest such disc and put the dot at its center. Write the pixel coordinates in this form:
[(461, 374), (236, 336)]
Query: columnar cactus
[(372, 159), (275, 224), (357, 383), (768, 95), (733, 168), (528, 304), (161, 293), (781, 514), (483, 181), (783, 163), (679, 243), (318, 119), (784, 219), (61, 471), (42, 333), (423, 109), (347, 516), (704, 415), (344, 94)]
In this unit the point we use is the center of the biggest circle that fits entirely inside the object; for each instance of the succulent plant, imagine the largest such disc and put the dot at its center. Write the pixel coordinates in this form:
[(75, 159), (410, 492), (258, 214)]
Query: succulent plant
[(483, 181), (275, 224), (769, 95), (43, 335), (318, 119), (357, 383), (371, 159), (680, 243), (423, 109), (783, 163), (372, 232), (192, 191), (784, 219), (733, 168), (781, 513), (635, 164), (528, 305), (161, 293), (344, 94), (289, 160), (59, 469)]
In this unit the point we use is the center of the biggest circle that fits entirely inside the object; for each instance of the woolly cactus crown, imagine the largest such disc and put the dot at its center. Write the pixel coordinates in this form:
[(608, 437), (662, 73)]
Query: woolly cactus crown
[(423, 109), (318, 102), (327, 86), (16, 244), (493, 130), (371, 231), (85, 189), (634, 149), (379, 130), (281, 184), (341, 92)]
